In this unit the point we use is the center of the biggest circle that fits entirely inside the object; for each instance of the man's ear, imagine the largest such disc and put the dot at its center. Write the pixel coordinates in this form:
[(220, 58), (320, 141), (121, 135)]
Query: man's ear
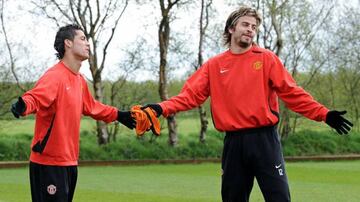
[(231, 30), (68, 43)]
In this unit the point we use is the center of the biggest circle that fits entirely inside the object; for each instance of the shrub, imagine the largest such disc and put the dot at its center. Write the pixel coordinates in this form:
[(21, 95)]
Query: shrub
[(128, 147), (308, 142), (15, 148)]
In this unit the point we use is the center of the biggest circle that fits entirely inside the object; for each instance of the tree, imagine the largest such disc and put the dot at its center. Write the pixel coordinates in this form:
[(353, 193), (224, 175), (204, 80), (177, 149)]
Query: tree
[(8, 73), (305, 50), (9, 49), (164, 38), (346, 63), (203, 24), (100, 21), (129, 64)]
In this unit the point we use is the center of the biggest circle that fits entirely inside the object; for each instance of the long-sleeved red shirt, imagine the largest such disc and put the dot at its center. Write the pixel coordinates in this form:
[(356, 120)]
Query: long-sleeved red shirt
[(244, 90), (59, 99)]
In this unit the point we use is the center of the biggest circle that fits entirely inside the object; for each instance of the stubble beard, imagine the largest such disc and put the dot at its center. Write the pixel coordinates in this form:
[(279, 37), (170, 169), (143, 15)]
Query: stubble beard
[(244, 44)]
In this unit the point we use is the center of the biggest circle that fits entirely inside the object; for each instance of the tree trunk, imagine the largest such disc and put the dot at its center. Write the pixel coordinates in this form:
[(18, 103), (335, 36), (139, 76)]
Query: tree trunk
[(172, 126), (204, 123), (164, 38), (274, 10), (284, 126), (102, 133), (203, 24)]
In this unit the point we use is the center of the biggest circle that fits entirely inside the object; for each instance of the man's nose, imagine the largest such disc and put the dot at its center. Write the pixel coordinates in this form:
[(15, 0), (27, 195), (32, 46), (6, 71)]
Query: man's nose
[(249, 28)]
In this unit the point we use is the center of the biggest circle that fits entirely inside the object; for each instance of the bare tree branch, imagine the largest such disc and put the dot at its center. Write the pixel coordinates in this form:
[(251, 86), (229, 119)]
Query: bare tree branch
[(63, 12), (111, 36), (8, 46), (72, 9)]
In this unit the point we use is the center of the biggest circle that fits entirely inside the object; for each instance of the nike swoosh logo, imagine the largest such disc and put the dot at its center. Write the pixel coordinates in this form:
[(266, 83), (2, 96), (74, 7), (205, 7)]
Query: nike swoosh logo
[(277, 166), (223, 71)]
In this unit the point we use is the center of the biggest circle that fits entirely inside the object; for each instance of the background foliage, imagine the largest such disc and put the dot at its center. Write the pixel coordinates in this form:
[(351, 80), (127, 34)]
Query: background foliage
[(317, 41)]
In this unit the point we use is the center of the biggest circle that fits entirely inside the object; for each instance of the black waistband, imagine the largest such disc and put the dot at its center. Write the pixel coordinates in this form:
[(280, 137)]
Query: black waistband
[(251, 130)]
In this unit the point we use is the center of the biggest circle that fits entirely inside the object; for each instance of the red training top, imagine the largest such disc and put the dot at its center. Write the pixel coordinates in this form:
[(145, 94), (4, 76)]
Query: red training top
[(59, 99), (243, 90)]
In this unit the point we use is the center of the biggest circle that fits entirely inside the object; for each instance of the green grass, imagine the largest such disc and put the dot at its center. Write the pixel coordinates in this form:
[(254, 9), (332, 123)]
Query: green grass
[(309, 181)]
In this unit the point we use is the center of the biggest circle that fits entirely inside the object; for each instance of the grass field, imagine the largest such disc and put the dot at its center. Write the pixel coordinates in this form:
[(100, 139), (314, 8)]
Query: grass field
[(309, 181)]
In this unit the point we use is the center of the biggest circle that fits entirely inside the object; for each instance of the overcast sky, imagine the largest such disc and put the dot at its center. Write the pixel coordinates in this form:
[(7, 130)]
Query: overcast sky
[(37, 33)]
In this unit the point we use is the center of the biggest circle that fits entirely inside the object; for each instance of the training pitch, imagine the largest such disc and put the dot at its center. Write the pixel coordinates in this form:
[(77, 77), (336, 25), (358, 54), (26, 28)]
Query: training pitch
[(309, 181)]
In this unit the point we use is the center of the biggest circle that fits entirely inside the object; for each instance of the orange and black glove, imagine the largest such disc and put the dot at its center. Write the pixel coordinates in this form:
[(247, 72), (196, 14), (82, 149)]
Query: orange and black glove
[(335, 120), (146, 119), (156, 107)]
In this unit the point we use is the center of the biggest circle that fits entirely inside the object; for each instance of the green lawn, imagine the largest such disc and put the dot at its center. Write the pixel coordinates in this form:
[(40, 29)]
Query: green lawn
[(309, 181)]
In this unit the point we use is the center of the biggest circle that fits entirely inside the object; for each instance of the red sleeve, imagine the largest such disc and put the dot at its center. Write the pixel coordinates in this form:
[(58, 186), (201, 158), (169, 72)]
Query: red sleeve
[(96, 109), (43, 94), (295, 98), (194, 92)]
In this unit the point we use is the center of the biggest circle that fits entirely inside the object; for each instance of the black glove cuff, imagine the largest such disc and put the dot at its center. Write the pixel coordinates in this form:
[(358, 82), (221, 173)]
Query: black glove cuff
[(126, 119), (157, 108), (18, 108), (122, 115)]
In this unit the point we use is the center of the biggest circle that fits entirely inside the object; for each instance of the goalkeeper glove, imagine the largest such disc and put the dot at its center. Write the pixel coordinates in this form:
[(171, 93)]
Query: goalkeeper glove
[(156, 107), (18, 108), (126, 119), (335, 120)]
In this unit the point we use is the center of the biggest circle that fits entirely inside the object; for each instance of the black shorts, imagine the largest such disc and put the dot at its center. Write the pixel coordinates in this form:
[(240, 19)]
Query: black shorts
[(52, 183), (253, 153)]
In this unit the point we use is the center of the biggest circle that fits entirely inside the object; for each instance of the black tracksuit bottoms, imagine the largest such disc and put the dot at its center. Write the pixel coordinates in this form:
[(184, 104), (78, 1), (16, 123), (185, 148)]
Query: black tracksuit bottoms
[(52, 183), (253, 153)]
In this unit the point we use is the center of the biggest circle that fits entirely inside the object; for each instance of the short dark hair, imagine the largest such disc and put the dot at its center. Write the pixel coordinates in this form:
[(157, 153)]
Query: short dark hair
[(65, 32), (234, 18)]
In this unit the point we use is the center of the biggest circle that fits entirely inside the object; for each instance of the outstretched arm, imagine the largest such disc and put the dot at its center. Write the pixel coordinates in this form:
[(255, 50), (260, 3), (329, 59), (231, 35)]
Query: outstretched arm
[(194, 92), (302, 102)]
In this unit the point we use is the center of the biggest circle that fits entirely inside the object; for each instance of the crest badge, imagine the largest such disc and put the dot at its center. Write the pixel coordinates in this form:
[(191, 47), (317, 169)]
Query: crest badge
[(51, 189), (257, 65)]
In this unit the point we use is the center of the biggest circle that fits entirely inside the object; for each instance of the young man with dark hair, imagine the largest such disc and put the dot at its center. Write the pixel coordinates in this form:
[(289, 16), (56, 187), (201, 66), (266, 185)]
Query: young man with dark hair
[(59, 99), (244, 84)]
